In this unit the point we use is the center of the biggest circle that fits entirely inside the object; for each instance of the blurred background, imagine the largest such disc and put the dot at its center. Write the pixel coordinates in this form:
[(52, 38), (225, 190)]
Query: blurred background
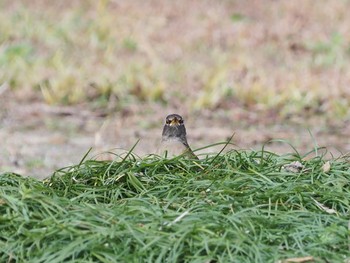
[(105, 73)]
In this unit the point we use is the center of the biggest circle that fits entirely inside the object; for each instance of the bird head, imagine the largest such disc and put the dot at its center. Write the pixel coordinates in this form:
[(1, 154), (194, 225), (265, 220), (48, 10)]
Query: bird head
[(174, 126)]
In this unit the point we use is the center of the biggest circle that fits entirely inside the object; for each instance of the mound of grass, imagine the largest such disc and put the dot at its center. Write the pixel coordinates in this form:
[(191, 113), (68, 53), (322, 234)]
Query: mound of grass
[(241, 206)]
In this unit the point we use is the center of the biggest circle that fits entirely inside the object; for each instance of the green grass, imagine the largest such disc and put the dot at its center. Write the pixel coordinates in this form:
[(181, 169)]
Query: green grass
[(241, 206)]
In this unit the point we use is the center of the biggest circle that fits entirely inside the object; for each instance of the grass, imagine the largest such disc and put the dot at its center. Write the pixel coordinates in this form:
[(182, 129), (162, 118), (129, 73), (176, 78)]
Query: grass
[(211, 54), (241, 206)]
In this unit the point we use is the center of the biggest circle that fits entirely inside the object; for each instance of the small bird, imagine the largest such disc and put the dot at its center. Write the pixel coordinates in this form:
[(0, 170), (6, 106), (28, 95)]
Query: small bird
[(174, 141)]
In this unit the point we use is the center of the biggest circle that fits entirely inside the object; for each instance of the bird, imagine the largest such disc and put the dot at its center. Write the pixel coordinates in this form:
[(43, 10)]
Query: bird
[(174, 141)]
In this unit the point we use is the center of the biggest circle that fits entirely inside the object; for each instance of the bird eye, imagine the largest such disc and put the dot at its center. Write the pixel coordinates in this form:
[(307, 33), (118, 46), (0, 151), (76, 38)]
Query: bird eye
[(181, 121), (167, 121)]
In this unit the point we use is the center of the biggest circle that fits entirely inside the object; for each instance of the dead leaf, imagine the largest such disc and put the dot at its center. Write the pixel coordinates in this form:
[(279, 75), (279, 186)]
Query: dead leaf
[(294, 167), (326, 167), (324, 208), (299, 260)]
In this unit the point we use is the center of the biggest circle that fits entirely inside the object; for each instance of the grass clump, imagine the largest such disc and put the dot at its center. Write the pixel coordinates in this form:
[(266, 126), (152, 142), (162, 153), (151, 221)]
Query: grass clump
[(239, 206)]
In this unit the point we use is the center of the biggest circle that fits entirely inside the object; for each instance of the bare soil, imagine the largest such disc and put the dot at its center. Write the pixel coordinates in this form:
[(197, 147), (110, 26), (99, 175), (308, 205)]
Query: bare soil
[(37, 138)]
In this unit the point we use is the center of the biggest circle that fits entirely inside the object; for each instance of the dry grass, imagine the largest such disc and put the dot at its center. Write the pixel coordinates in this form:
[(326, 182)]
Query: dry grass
[(288, 55)]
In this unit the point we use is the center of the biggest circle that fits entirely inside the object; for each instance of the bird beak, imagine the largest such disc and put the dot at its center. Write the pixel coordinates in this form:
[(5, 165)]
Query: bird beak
[(174, 122)]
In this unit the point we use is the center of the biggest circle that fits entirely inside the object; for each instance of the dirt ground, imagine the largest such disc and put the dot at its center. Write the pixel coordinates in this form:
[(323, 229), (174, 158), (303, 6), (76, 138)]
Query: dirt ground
[(37, 139)]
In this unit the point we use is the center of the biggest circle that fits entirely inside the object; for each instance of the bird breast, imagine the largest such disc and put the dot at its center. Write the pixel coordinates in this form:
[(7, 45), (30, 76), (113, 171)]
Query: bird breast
[(172, 147)]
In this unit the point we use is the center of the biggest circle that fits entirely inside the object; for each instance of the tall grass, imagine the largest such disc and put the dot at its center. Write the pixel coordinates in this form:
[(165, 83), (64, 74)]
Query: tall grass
[(241, 206)]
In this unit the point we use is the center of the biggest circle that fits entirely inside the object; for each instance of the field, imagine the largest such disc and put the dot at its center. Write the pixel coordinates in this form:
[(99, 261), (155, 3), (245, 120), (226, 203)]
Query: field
[(102, 75), (235, 207)]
